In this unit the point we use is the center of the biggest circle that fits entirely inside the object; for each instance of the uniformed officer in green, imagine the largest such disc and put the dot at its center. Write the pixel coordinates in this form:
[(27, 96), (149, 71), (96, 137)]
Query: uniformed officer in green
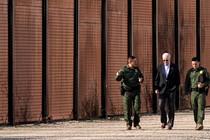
[(131, 77), (196, 83)]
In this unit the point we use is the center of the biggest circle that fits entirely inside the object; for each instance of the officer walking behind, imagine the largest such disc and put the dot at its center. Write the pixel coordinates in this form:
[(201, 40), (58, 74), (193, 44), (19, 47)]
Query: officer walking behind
[(131, 77), (166, 83), (196, 84)]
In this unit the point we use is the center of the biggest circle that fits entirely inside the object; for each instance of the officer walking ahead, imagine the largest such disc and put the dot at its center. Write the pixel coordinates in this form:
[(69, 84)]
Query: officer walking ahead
[(196, 83), (131, 77)]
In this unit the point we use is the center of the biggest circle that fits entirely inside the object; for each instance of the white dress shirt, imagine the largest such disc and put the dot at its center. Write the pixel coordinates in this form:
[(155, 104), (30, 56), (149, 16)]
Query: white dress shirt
[(167, 68)]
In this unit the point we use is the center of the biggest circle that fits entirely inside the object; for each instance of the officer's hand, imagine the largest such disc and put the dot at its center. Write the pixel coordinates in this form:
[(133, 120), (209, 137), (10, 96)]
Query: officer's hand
[(117, 73), (157, 91), (200, 85), (141, 80)]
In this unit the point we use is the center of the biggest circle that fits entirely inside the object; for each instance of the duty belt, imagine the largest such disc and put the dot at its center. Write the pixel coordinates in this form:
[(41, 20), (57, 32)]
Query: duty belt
[(194, 89), (131, 89), (200, 90)]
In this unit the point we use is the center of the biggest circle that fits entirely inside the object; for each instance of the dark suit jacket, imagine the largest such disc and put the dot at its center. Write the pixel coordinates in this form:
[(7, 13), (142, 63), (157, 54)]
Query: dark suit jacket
[(170, 83)]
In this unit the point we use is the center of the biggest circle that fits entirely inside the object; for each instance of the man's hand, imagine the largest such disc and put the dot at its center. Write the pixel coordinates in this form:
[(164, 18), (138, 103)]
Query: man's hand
[(186, 97), (157, 91)]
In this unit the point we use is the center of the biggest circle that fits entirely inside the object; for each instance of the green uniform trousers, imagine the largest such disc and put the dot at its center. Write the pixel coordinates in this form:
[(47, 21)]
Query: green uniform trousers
[(132, 99), (198, 103)]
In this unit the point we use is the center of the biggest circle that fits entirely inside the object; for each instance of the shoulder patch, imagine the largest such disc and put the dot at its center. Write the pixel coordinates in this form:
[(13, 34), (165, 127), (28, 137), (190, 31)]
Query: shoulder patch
[(136, 70)]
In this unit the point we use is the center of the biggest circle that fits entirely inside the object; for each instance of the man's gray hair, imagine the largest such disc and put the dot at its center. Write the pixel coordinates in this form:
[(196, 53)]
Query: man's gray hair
[(167, 54)]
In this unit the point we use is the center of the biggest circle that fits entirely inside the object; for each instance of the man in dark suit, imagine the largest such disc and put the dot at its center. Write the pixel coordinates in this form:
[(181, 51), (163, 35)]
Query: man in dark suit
[(166, 83)]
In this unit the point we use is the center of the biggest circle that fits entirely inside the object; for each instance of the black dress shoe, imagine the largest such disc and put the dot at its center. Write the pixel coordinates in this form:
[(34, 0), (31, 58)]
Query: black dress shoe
[(169, 127), (128, 127), (163, 125)]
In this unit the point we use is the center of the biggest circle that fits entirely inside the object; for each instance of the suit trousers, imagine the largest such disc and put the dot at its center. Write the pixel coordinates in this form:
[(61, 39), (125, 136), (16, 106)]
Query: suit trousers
[(131, 99), (169, 98)]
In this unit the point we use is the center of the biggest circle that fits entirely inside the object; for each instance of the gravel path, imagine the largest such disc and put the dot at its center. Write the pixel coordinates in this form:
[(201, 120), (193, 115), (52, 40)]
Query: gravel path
[(111, 129)]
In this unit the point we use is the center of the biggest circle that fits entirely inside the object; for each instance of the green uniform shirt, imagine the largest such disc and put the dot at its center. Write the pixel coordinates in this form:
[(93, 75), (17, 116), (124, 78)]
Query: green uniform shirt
[(129, 76), (195, 76)]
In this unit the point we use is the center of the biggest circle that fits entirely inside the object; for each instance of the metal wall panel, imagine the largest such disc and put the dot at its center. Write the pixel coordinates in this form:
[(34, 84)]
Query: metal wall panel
[(205, 37), (89, 103), (27, 61), (166, 28), (4, 2), (3, 61), (60, 48), (27, 52), (142, 48), (166, 32), (187, 31), (117, 43)]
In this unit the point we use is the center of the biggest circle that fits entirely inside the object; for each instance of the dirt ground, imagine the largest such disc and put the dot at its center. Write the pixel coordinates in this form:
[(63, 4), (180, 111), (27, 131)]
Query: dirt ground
[(111, 129)]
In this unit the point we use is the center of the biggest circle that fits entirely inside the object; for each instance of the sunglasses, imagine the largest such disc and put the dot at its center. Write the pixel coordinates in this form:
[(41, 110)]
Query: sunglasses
[(165, 60)]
